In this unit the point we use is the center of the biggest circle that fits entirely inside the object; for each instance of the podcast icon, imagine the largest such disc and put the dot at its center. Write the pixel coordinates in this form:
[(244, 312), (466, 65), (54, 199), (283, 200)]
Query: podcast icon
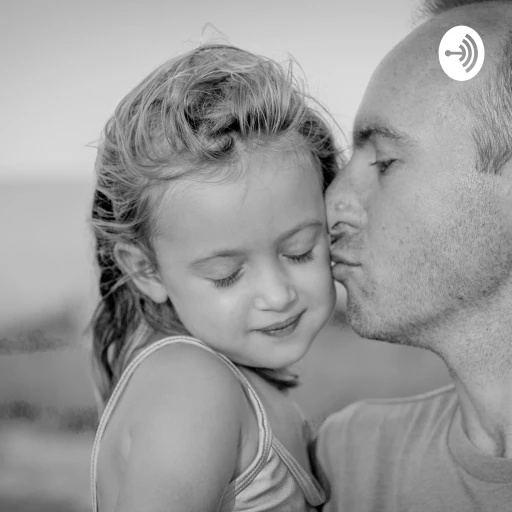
[(461, 53)]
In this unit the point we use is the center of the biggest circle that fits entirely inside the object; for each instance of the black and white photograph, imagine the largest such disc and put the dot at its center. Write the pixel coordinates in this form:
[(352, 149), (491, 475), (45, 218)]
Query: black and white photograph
[(256, 256)]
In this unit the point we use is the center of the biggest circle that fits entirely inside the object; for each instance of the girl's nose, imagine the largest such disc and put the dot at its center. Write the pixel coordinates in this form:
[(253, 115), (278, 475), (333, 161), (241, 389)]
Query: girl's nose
[(275, 291)]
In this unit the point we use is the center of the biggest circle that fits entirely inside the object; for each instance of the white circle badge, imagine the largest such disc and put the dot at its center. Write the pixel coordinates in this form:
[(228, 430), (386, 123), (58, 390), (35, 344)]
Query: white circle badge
[(461, 53)]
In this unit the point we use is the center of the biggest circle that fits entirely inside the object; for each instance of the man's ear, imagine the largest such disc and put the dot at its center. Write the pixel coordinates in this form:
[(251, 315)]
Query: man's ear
[(137, 265)]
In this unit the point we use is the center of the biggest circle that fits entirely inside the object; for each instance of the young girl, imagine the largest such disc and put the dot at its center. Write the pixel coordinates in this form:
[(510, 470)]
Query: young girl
[(212, 244)]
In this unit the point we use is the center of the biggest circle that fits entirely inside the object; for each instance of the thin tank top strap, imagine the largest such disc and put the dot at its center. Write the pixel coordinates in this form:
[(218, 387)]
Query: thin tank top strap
[(312, 490), (265, 441), (265, 433)]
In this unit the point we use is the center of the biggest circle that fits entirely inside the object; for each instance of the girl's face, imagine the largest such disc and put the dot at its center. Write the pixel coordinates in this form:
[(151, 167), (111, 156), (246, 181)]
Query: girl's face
[(246, 263)]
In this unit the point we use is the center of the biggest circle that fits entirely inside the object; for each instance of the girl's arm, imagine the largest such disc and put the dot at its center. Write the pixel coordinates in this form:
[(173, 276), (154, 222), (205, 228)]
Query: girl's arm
[(186, 416)]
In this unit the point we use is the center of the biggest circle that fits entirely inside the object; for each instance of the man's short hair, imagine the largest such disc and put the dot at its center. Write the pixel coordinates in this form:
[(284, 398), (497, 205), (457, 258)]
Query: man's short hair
[(492, 105)]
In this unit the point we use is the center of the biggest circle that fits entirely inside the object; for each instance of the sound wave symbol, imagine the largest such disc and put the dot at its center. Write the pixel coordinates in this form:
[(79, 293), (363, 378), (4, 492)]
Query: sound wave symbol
[(468, 53)]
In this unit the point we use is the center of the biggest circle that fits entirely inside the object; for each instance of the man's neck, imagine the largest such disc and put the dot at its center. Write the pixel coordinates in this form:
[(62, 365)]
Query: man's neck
[(478, 352), (487, 416)]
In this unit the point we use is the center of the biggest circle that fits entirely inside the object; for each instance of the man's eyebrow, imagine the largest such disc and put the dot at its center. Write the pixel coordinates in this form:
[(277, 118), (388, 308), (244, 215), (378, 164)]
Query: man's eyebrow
[(236, 253), (363, 135)]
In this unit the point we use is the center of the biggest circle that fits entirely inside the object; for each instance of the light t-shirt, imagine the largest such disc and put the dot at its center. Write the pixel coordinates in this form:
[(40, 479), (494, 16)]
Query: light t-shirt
[(408, 455)]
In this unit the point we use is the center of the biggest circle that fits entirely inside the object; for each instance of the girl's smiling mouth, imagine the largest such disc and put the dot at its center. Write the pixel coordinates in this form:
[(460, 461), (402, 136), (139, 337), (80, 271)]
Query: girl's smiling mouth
[(282, 328)]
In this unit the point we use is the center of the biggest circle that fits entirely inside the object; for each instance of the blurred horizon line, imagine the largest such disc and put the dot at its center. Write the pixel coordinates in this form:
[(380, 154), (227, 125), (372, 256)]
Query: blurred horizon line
[(85, 176)]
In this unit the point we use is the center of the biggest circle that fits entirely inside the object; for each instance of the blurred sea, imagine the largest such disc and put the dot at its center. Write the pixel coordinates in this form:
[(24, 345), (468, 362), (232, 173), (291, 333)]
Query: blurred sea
[(47, 409)]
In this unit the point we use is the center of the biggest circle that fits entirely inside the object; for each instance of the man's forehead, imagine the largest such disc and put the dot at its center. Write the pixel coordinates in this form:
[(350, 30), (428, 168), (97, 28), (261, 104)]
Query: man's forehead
[(409, 86), (395, 111), (412, 67), (414, 62)]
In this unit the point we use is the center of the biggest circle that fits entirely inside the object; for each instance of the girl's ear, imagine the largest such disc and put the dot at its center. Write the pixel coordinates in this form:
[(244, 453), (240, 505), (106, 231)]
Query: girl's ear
[(137, 265)]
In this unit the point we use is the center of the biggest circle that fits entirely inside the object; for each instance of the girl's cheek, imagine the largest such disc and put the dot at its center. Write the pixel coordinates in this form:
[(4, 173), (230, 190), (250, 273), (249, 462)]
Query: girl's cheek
[(319, 281)]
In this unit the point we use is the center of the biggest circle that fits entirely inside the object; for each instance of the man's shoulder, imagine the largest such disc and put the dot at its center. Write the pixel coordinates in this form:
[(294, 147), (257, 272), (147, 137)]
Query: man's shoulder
[(386, 418), (366, 443)]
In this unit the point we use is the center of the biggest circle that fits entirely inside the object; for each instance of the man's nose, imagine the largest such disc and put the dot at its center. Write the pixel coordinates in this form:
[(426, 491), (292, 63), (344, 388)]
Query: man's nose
[(344, 205)]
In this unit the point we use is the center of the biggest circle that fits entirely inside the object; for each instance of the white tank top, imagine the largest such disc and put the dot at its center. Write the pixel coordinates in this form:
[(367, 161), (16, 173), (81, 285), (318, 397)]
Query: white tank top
[(274, 481)]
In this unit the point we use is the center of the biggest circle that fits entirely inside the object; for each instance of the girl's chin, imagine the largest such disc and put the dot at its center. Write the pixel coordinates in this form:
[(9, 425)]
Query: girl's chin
[(283, 356)]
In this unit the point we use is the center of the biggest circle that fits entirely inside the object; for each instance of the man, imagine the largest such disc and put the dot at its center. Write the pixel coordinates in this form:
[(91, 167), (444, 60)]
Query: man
[(421, 219)]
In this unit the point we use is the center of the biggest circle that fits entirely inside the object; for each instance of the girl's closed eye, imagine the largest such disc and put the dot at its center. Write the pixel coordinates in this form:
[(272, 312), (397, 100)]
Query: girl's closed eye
[(302, 258), (235, 276), (227, 281)]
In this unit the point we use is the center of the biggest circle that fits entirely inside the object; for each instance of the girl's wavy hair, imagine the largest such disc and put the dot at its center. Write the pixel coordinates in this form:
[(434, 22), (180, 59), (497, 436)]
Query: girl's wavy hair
[(191, 117)]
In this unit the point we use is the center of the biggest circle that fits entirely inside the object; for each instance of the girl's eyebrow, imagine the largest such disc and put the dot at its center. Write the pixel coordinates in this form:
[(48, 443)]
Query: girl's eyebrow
[(300, 227), (221, 253), (236, 253)]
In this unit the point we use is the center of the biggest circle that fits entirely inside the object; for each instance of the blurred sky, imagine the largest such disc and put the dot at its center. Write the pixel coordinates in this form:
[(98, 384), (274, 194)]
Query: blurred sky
[(67, 63)]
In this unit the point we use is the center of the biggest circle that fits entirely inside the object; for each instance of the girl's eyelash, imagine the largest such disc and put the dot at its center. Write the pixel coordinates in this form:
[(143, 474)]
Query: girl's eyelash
[(302, 258), (227, 281), (383, 165)]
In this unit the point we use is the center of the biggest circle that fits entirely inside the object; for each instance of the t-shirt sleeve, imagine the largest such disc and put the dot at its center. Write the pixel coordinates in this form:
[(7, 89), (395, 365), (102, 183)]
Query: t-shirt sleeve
[(351, 456), (331, 450), (367, 451)]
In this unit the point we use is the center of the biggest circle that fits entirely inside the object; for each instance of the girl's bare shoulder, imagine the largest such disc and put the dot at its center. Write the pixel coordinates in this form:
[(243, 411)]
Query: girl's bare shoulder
[(181, 376), (183, 404)]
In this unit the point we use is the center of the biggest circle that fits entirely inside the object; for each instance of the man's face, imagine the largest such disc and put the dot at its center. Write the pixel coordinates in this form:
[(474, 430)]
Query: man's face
[(421, 237)]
